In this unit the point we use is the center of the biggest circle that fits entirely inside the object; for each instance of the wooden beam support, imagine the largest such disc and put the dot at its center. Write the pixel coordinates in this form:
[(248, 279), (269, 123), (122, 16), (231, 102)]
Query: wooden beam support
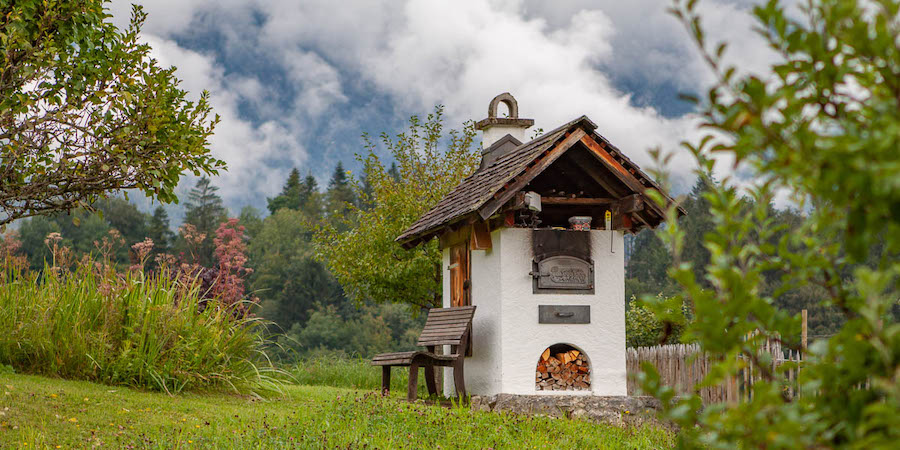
[(632, 203), (587, 164), (566, 201), (641, 219), (616, 216), (509, 218), (481, 236), (523, 179), (453, 237), (617, 169)]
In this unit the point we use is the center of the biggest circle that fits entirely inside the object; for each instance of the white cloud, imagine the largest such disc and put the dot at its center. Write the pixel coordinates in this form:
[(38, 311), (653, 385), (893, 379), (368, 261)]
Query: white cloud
[(558, 58), (462, 54), (247, 148), (650, 42), (319, 83)]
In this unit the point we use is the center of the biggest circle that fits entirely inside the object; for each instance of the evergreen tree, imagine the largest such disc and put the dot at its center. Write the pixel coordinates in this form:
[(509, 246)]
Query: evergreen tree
[(394, 172), (204, 210), (340, 195), (649, 259), (125, 217), (290, 196), (366, 191), (646, 271), (697, 223), (160, 230), (311, 198), (80, 228), (251, 221)]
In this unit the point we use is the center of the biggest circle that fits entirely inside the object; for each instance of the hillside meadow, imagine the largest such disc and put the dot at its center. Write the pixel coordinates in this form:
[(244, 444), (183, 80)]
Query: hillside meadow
[(95, 357), (40, 412)]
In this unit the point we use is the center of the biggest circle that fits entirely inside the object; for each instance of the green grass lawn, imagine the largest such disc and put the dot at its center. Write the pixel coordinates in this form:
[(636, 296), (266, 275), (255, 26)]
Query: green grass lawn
[(39, 412)]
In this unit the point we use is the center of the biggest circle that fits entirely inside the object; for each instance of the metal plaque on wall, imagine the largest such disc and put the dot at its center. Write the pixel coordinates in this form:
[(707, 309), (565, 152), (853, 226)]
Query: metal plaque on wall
[(564, 273), (564, 314)]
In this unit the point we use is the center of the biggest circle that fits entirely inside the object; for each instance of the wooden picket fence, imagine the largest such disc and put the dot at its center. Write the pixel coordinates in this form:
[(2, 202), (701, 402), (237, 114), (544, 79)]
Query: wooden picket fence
[(682, 366)]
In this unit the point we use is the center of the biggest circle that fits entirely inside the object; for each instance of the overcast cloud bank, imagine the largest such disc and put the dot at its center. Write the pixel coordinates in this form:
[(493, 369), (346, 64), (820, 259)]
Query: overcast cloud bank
[(296, 83)]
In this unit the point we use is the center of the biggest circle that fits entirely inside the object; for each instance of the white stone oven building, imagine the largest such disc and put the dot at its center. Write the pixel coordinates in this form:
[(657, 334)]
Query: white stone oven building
[(550, 300)]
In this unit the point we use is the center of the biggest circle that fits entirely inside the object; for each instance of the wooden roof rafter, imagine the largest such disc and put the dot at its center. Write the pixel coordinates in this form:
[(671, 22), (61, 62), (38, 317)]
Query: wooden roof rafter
[(616, 168), (530, 173), (490, 189)]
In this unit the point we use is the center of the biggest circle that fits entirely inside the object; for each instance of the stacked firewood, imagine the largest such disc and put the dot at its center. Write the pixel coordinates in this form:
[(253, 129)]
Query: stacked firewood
[(566, 371)]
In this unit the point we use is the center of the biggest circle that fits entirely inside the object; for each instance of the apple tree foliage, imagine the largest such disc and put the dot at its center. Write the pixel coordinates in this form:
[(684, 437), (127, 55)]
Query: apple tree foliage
[(823, 127), (85, 110), (360, 250)]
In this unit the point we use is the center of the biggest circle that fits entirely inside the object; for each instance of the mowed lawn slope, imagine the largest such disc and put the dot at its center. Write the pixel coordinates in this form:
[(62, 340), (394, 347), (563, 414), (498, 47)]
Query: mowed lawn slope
[(39, 412)]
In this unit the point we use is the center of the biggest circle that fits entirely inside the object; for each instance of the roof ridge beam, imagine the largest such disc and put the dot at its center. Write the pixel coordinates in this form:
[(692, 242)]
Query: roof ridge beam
[(522, 179)]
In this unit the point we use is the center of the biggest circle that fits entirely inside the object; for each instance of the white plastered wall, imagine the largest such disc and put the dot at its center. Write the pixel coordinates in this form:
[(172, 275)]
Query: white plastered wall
[(507, 336), (486, 325), (494, 133)]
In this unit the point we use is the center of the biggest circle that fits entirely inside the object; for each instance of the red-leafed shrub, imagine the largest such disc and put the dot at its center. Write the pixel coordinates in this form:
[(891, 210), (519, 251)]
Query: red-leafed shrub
[(231, 256)]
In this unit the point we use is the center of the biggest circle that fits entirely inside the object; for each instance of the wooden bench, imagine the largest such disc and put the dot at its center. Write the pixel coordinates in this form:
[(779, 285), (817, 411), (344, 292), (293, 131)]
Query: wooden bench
[(444, 326)]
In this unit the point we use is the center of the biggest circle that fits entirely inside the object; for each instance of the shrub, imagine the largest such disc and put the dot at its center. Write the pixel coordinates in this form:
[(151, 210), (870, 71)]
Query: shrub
[(822, 129), (230, 251), (643, 328), (128, 330), (371, 329)]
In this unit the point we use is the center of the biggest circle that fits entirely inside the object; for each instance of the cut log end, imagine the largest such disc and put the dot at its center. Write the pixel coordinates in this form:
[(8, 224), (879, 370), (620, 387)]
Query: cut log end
[(566, 371)]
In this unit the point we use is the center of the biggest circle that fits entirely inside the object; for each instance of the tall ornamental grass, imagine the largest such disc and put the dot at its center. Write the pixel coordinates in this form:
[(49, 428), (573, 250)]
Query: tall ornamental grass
[(129, 330)]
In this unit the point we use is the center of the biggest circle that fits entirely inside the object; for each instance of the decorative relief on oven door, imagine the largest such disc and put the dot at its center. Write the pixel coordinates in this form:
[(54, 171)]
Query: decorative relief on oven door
[(563, 274)]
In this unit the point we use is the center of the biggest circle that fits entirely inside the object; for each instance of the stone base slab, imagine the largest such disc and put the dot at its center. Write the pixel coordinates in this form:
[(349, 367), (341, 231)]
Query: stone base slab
[(618, 411)]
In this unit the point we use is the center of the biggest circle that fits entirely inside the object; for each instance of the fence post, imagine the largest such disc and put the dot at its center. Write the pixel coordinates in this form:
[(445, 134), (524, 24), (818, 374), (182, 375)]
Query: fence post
[(803, 330)]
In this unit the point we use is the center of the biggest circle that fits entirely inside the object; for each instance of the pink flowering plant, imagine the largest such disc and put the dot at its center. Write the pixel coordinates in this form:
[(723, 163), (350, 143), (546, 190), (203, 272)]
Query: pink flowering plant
[(171, 329), (141, 253), (193, 238), (231, 256), (12, 261)]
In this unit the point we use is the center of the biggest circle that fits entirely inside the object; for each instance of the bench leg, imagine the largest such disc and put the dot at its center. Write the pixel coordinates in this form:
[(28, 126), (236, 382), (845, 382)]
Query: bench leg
[(413, 382), (429, 379), (459, 380), (385, 380)]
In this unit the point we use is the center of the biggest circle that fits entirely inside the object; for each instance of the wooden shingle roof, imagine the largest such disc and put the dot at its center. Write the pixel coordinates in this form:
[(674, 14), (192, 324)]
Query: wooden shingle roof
[(482, 187)]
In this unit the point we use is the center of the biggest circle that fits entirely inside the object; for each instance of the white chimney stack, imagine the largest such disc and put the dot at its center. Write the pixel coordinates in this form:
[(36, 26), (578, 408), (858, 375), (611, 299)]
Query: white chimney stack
[(499, 135)]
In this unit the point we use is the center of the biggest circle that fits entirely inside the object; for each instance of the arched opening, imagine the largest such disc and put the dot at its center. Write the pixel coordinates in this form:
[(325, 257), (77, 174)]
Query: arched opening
[(562, 367), (503, 109), (512, 107)]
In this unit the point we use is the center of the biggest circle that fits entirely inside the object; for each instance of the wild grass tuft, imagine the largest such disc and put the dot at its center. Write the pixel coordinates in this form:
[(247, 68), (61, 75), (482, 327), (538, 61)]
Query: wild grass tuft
[(337, 369), (40, 413), (145, 333)]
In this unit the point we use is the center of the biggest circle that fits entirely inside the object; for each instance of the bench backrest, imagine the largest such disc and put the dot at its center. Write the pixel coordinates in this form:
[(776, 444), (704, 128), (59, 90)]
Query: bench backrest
[(447, 326)]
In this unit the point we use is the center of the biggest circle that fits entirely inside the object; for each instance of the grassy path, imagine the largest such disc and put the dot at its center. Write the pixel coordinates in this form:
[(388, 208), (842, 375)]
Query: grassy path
[(38, 412)]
